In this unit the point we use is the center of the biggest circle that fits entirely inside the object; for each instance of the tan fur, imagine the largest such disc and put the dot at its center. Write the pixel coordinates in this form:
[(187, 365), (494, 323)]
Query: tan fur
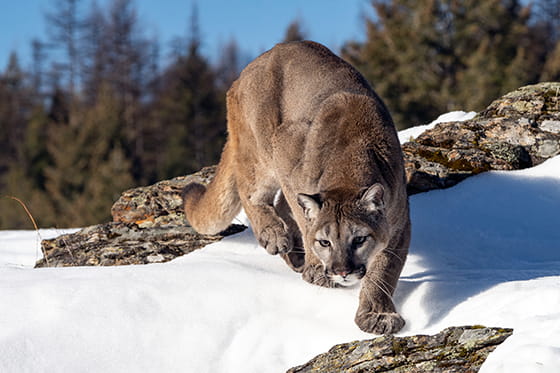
[(305, 124)]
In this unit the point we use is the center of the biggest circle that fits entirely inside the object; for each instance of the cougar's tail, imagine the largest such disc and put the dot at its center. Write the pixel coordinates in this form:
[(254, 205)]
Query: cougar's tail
[(210, 209)]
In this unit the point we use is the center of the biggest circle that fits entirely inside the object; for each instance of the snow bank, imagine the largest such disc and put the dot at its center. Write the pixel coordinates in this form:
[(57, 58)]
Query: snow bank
[(484, 252), (23, 248), (488, 252), (230, 307), (453, 116)]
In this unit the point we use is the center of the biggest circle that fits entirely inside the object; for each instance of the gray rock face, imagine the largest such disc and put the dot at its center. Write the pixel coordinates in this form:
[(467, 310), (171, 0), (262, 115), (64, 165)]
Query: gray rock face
[(157, 205), (518, 130), (121, 244), (454, 350)]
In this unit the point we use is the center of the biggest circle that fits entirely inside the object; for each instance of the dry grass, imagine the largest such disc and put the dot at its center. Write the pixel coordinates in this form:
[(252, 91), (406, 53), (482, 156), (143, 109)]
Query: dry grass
[(22, 204)]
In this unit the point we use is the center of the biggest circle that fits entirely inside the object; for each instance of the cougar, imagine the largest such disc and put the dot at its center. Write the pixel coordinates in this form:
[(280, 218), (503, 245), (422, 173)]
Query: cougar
[(313, 157)]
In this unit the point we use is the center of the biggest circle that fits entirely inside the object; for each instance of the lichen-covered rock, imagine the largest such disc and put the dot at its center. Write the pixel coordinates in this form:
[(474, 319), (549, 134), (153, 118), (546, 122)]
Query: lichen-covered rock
[(148, 227), (454, 350), (159, 204), (120, 243), (518, 130)]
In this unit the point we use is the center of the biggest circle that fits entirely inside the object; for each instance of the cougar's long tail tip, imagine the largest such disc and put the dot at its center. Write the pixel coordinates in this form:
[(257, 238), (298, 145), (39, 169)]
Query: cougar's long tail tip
[(192, 194), (192, 191)]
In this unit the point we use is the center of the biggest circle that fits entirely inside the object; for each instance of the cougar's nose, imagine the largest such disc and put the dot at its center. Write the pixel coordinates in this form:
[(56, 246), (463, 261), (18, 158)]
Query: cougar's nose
[(342, 274)]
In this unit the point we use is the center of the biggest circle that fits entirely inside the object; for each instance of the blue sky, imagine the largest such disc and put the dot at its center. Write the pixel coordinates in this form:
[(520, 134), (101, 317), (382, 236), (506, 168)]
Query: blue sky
[(256, 25)]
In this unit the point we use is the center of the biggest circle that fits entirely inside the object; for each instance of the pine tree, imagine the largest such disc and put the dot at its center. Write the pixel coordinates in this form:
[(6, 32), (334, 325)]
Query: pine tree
[(65, 25), (551, 70), (14, 109), (190, 111), (548, 14), (294, 32), (404, 60), (39, 55), (508, 54), (12, 215), (69, 161), (548, 19), (95, 64), (23, 175), (89, 169), (426, 57), (25, 179), (229, 66)]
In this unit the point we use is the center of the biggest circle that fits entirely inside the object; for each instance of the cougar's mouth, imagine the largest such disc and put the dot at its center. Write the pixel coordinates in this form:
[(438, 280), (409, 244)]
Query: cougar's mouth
[(345, 278)]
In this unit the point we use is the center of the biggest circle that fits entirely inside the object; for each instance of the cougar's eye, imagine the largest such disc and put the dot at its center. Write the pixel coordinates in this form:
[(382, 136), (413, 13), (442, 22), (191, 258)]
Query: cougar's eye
[(324, 243), (358, 241)]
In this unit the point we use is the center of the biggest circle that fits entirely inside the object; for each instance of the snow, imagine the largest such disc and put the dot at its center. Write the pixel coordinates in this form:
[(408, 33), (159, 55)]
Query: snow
[(453, 116), (486, 251), (22, 248)]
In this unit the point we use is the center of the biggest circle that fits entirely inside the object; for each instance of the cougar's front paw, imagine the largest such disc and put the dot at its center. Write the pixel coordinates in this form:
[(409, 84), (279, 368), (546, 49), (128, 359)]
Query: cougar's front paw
[(275, 239), (379, 322), (315, 274)]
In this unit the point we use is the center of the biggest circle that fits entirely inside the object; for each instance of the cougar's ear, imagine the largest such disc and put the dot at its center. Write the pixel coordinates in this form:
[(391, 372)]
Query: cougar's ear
[(311, 204), (372, 198)]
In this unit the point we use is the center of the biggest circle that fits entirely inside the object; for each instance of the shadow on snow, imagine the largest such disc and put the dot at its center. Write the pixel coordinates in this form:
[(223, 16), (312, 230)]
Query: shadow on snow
[(492, 228)]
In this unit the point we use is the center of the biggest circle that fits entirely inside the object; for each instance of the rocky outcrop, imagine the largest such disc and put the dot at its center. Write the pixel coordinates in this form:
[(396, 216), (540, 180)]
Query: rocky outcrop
[(149, 227), (454, 350), (120, 244), (159, 204), (519, 130)]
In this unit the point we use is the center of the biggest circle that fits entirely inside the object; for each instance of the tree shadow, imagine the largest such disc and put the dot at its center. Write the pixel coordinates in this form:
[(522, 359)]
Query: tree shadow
[(492, 228)]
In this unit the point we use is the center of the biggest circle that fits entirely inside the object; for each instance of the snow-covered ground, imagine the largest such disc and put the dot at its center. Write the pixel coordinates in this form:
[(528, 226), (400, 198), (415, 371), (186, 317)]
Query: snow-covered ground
[(486, 251)]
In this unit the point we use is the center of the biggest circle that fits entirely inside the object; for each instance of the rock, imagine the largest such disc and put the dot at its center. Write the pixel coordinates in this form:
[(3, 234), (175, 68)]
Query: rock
[(518, 130), (453, 350), (120, 244), (148, 227), (159, 204)]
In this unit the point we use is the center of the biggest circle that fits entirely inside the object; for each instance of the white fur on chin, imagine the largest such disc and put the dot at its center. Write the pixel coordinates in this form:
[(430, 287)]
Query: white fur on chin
[(348, 281)]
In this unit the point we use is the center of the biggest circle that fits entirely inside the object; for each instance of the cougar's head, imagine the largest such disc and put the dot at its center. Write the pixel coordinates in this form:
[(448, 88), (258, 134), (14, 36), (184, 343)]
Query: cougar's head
[(345, 230)]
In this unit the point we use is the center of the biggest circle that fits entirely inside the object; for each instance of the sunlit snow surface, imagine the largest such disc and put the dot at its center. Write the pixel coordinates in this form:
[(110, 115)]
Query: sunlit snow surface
[(486, 251), (453, 116)]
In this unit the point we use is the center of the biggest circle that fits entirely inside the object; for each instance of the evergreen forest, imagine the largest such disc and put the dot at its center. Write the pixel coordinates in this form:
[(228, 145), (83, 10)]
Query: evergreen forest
[(97, 111)]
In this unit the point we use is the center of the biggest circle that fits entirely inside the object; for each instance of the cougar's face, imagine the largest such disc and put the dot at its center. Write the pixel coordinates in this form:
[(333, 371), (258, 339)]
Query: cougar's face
[(345, 234), (344, 249)]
